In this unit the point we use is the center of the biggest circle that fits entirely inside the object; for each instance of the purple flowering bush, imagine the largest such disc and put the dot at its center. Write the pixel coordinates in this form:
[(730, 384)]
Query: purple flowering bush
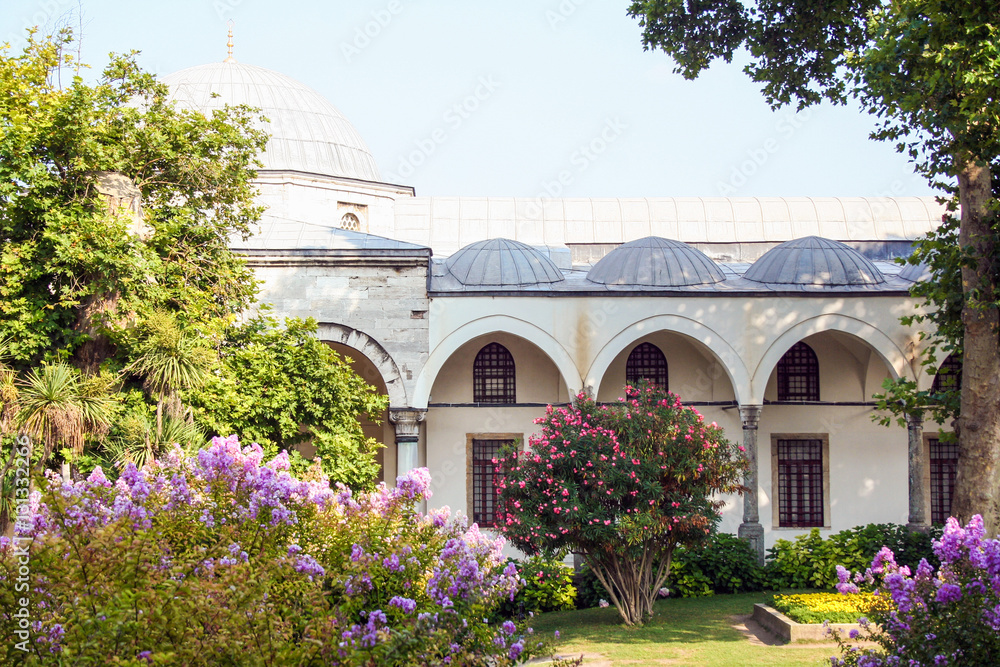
[(219, 558), (947, 617)]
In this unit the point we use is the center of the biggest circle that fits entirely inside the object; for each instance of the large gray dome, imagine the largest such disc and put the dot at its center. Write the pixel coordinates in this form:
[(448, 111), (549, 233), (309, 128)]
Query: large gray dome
[(655, 262), (502, 263), (307, 132), (814, 261)]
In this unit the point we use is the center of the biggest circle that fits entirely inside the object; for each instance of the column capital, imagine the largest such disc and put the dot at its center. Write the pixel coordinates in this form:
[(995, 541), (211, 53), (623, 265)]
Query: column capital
[(750, 416), (914, 419), (407, 423)]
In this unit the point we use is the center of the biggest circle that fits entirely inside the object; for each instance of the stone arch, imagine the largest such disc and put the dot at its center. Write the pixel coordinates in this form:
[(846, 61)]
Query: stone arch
[(890, 353), (487, 325), (375, 352), (728, 357)]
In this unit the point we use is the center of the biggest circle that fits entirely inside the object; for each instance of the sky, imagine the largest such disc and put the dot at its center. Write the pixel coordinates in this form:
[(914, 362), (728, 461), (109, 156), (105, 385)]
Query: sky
[(527, 98)]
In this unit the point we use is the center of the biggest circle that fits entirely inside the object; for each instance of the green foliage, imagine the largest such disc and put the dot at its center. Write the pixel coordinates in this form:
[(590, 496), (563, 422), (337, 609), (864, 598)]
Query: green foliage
[(76, 265), (282, 387), (811, 561), (548, 586), (724, 564)]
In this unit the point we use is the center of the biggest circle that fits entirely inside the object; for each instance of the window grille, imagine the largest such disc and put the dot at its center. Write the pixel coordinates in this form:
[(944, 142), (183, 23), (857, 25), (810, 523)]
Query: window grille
[(944, 466), (493, 376), (798, 374), (949, 375), (350, 222), (800, 483), (484, 480), (646, 362)]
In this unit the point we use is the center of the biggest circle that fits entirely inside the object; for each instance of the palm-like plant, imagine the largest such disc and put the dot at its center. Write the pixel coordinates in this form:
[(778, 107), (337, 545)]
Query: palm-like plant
[(170, 360), (136, 439), (57, 406)]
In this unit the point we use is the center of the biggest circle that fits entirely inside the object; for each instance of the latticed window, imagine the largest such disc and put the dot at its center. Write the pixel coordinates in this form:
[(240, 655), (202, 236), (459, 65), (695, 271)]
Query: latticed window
[(800, 483), (944, 465), (949, 376), (646, 362), (350, 222), (798, 374), (493, 376), (484, 499)]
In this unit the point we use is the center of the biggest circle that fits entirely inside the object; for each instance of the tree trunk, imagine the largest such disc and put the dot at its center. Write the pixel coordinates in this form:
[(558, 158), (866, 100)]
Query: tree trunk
[(96, 347), (977, 484)]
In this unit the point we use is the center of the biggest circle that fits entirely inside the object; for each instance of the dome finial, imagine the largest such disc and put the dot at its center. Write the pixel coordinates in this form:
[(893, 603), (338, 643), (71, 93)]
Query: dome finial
[(229, 58)]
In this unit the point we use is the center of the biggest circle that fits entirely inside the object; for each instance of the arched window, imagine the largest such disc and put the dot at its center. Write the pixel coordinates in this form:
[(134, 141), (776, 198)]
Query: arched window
[(646, 362), (949, 375), (350, 222), (493, 376), (798, 374)]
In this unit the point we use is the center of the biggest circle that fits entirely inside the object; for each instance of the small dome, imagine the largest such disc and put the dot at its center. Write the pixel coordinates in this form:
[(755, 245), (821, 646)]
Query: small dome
[(655, 262), (502, 263), (914, 273), (814, 261), (307, 132)]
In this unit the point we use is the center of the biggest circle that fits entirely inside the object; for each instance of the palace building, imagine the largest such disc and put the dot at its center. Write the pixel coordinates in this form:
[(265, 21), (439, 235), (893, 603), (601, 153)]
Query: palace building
[(778, 318)]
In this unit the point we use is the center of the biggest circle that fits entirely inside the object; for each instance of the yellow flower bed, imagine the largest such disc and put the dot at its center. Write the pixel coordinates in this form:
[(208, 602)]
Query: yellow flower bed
[(832, 607)]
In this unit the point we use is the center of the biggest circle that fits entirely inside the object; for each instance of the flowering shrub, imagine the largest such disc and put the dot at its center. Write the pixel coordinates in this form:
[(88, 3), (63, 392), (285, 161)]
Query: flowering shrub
[(220, 559), (548, 586), (620, 485), (829, 607), (948, 617)]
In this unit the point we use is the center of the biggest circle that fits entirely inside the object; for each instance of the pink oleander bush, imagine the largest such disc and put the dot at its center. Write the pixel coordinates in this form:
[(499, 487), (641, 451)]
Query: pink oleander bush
[(622, 485), (929, 618), (220, 558)]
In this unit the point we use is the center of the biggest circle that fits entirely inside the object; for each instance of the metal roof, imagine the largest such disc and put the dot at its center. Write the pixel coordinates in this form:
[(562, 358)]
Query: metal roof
[(307, 132), (656, 262), (283, 234), (449, 223), (814, 261), (915, 272), (501, 263)]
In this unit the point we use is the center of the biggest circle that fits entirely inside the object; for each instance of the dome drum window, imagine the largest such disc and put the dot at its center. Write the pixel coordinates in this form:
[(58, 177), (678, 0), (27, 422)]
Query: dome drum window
[(493, 379)]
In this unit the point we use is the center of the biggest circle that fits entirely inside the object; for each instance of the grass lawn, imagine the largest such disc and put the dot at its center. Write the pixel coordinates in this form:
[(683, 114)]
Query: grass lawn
[(687, 631)]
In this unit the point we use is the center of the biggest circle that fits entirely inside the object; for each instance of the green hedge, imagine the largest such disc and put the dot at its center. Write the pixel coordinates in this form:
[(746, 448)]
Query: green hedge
[(809, 561)]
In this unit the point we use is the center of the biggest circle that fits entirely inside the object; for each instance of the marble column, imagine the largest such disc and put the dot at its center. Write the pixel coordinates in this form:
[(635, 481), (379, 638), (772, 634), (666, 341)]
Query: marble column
[(407, 423), (751, 530), (915, 463)]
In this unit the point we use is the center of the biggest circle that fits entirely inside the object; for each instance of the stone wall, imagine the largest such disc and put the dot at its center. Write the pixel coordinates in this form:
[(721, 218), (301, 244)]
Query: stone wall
[(374, 303)]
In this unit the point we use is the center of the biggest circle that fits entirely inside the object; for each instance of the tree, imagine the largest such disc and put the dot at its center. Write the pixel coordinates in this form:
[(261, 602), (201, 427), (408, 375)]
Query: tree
[(622, 486), (282, 387), (58, 406), (170, 360), (113, 203), (928, 71)]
